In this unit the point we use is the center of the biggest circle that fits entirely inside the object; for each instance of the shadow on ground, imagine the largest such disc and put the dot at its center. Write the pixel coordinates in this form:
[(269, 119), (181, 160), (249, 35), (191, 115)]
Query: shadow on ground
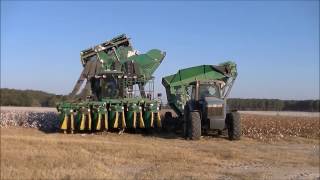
[(170, 130)]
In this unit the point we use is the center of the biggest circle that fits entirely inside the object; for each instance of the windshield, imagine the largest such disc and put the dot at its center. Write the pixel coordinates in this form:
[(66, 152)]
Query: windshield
[(208, 90)]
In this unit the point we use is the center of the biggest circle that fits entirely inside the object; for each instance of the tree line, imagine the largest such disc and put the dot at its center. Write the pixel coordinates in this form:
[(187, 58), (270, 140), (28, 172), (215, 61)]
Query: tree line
[(14, 97), (273, 105)]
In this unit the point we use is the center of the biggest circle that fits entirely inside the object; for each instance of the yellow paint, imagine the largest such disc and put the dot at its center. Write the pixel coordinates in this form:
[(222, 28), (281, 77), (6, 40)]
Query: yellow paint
[(141, 123), (116, 121), (151, 121), (83, 121), (134, 119), (98, 126), (124, 125), (106, 121), (90, 120), (159, 119), (64, 124)]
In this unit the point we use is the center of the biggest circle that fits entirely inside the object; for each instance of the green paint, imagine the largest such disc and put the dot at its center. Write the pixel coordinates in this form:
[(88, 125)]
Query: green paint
[(114, 61), (176, 85)]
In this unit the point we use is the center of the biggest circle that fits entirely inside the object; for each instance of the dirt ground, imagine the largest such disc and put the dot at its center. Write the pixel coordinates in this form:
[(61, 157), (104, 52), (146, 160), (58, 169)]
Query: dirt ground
[(32, 154)]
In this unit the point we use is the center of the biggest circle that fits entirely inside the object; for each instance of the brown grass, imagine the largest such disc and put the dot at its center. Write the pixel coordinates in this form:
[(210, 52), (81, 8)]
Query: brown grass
[(32, 154)]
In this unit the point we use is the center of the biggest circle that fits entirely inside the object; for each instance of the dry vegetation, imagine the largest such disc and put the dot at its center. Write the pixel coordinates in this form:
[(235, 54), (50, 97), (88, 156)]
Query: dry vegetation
[(31, 154), (273, 147)]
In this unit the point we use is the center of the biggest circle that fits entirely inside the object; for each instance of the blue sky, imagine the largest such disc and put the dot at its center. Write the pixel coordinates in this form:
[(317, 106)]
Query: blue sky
[(275, 44)]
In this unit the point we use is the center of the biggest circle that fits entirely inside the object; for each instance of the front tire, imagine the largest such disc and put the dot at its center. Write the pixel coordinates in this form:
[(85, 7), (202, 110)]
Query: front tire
[(195, 125), (233, 125)]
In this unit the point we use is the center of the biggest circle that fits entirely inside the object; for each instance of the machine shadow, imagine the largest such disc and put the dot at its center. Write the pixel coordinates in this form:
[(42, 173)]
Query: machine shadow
[(47, 122), (157, 133), (172, 130), (161, 134), (49, 130)]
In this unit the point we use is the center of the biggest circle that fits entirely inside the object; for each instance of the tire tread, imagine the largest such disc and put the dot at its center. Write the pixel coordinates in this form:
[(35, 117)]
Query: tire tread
[(195, 125), (233, 125)]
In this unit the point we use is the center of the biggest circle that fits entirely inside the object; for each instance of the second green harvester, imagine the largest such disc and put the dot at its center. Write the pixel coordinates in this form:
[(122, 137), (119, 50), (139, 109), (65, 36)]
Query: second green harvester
[(198, 96)]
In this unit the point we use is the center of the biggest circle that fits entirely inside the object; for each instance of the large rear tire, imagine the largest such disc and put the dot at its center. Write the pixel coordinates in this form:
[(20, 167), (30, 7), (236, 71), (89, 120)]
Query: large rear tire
[(195, 125), (233, 125)]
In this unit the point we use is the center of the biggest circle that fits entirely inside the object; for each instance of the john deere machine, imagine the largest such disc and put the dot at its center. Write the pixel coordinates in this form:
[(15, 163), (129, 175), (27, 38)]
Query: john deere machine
[(198, 96), (114, 90)]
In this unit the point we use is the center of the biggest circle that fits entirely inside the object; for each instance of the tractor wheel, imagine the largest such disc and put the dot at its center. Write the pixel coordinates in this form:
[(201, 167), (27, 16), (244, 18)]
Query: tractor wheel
[(233, 125), (195, 125)]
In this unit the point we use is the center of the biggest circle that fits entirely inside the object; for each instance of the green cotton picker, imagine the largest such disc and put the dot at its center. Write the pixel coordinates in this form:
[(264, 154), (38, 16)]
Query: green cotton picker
[(114, 91)]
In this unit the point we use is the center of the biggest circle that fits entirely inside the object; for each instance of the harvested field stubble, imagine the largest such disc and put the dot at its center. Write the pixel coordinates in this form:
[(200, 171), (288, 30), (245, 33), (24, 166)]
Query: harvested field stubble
[(27, 153), (264, 127)]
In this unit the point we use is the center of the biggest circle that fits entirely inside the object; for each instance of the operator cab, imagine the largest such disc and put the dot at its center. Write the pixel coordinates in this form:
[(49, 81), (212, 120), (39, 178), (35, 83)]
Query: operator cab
[(207, 97), (199, 90)]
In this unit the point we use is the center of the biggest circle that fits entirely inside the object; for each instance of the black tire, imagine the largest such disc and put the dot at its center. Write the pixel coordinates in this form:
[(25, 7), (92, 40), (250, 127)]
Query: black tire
[(195, 125), (233, 125)]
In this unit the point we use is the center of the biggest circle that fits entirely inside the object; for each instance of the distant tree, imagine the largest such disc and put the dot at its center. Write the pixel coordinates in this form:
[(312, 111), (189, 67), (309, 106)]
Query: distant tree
[(13, 97), (273, 105)]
